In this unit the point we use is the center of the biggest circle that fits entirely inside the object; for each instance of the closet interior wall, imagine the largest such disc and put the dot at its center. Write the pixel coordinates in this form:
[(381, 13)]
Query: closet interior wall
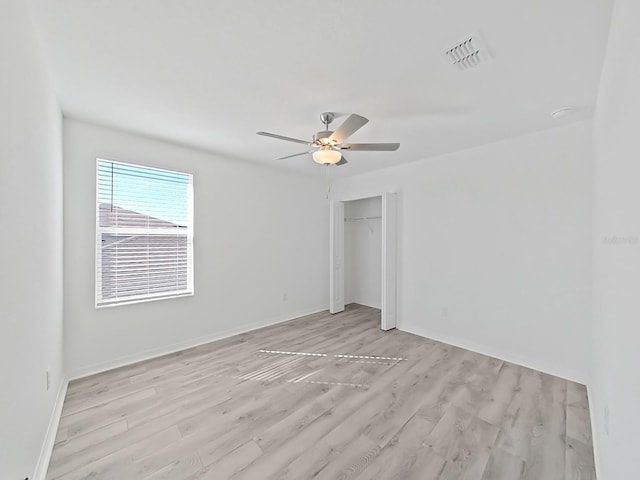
[(363, 251)]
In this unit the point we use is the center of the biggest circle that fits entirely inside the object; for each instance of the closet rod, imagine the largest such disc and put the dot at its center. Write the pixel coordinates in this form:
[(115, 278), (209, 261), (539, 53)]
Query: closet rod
[(362, 218)]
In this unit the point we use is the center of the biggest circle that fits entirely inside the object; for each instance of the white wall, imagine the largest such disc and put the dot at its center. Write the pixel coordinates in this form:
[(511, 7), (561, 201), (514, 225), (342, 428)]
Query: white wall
[(494, 247), (30, 246), (616, 384), (259, 234), (363, 252)]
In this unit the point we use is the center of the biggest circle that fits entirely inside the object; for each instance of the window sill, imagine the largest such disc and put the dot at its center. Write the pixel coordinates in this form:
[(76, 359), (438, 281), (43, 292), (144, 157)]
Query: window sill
[(142, 300)]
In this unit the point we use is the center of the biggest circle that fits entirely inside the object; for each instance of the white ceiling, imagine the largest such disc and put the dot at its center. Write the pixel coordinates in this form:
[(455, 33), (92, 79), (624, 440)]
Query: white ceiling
[(210, 74)]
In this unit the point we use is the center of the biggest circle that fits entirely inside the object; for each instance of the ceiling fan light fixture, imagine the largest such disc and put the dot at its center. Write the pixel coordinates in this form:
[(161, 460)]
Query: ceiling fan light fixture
[(327, 145), (327, 156)]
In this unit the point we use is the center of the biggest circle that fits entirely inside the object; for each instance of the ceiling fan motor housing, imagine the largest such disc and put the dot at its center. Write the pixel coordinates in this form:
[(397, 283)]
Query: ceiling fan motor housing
[(322, 138)]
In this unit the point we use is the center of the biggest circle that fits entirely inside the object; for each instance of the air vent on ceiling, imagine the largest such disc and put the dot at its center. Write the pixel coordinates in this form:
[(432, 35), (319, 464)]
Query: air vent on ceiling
[(468, 53)]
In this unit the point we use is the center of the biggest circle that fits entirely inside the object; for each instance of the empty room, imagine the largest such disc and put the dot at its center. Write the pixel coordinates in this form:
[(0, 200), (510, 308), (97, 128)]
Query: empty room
[(319, 240)]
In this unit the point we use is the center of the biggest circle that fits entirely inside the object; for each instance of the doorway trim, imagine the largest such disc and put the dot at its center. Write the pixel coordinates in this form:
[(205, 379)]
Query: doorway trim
[(389, 257)]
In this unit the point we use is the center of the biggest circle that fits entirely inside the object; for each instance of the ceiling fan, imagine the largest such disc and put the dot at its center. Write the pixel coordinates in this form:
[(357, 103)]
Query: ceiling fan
[(327, 146)]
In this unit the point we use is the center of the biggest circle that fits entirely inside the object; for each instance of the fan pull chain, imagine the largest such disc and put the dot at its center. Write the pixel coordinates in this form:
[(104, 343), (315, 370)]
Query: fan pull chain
[(327, 177)]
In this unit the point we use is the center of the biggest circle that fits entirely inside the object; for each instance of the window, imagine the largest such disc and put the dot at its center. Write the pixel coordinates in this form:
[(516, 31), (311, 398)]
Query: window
[(144, 233)]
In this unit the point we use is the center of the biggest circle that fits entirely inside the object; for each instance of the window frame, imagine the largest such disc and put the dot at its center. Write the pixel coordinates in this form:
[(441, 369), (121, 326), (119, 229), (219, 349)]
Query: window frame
[(119, 230)]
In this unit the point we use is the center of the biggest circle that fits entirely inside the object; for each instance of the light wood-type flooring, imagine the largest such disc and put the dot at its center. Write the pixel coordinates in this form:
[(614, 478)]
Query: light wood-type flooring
[(324, 397)]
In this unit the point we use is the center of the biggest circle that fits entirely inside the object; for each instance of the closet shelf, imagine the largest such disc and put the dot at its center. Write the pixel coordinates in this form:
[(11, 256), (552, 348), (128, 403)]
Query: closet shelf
[(361, 218)]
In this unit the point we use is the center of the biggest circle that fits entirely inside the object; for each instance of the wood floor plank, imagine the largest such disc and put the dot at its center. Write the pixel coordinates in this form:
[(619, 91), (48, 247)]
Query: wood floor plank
[(578, 421), (503, 466), (493, 409), (399, 456), (177, 470), (68, 448), (579, 460), (238, 458), (324, 397), (89, 419), (113, 458)]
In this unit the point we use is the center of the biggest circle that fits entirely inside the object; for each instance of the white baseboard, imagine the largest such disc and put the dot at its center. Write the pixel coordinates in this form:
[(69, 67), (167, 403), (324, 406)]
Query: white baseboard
[(100, 367), (595, 439), (52, 430), (501, 355)]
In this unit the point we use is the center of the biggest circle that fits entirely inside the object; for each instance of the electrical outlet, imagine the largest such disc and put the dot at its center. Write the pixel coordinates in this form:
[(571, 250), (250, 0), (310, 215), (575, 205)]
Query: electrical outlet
[(445, 312), (606, 420), (285, 297), (48, 379)]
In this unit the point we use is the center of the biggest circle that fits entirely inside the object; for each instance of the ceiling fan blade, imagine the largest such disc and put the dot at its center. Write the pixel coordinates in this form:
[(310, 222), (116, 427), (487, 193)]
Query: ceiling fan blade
[(342, 161), (281, 137), (372, 147), (295, 155), (351, 125)]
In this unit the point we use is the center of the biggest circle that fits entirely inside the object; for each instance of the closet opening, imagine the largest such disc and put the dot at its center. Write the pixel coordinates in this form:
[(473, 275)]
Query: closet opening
[(363, 252), (364, 255)]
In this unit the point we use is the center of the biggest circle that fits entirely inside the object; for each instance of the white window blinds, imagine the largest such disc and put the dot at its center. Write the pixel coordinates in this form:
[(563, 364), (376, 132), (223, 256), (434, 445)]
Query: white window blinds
[(144, 233)]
